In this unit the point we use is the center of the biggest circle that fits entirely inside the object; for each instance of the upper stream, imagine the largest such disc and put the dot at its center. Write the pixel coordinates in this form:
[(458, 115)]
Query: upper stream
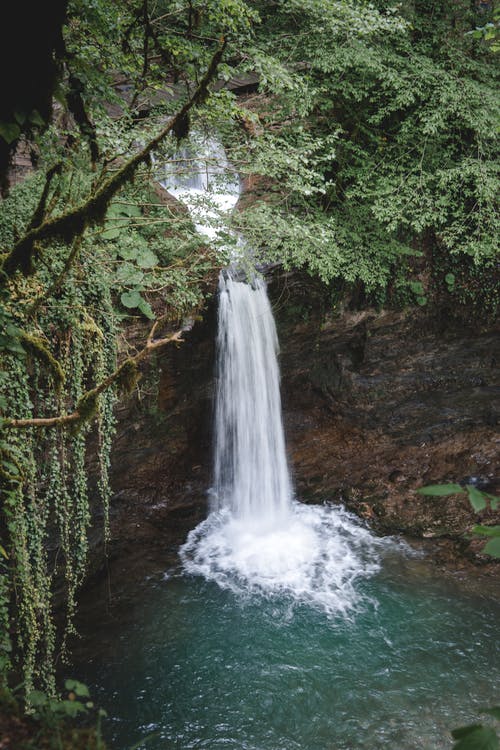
[(286, 626)]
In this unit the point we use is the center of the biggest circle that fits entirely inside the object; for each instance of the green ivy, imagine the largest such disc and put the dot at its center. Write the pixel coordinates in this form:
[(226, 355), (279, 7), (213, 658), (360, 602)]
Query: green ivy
[(379, 136)]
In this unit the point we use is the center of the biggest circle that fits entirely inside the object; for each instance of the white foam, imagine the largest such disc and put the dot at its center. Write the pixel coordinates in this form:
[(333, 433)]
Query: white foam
[(316, 556)]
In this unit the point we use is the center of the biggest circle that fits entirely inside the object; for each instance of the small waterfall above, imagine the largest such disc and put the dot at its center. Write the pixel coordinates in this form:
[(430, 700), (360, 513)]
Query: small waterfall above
[(257, 539), (200, 177)]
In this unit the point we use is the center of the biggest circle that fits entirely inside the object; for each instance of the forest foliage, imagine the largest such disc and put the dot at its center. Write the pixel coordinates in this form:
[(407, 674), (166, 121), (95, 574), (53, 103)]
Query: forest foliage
[(371, 141)]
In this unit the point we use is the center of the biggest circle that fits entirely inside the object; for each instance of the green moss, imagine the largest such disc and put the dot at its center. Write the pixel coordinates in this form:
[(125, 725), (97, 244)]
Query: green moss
[(128, 376), (35, 346), (87, 406)]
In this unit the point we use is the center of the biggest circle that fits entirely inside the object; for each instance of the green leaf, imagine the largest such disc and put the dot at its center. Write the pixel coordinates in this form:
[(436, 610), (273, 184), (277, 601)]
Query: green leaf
[(476, 497), (54, 705), (15, 347), (36, 118), (37, 699), (147, 259), (486, 530), (440, 490), (119, 210), (72, 708), (493, 547), (129, 274), (494, 500), (132, 210), (113, 211), (9, 131), (475, 738), (146, 309), (127, 253), (131, 299), (450, 279), (20, 117), (3, 552), (111, 231), (417, 287), (79, 688), (82, 690), (422, 301), (12, 330)]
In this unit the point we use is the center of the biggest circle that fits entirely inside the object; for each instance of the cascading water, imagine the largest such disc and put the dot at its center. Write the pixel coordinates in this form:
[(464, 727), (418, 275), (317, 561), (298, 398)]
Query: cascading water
[(201, 178), (251, 472), (257, 538)]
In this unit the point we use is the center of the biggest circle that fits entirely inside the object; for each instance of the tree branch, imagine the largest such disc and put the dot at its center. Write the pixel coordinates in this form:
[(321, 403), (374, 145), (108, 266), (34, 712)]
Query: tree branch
[(124, 375), (73, 223), (40, 210)]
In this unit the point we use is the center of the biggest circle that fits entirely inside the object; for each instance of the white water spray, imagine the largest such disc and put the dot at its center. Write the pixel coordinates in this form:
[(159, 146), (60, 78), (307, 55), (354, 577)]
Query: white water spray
[(258, 539)]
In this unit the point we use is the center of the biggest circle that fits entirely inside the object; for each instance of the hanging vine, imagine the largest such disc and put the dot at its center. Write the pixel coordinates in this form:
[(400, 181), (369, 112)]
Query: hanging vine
[(71, 348), (48, 510), (60, 371)]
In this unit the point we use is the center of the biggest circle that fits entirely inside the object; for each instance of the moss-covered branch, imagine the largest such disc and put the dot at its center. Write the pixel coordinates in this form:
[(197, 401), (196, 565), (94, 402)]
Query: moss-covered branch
[(125, 377), (35, 346), (70, 225), (40, 210)]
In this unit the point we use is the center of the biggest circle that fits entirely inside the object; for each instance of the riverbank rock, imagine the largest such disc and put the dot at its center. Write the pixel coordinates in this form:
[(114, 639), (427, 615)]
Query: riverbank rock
[(380, 403)]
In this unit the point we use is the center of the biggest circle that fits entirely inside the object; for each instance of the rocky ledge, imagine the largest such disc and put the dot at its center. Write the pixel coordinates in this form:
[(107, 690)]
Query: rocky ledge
[(380, 403)]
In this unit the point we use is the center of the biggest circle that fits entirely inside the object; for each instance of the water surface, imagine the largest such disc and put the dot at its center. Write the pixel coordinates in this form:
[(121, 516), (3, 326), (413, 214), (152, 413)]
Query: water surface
[(200, 666)]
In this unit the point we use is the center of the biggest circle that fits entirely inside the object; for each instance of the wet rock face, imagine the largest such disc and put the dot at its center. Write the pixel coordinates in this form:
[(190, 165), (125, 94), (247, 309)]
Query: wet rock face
[(161, 458), (377, 404)]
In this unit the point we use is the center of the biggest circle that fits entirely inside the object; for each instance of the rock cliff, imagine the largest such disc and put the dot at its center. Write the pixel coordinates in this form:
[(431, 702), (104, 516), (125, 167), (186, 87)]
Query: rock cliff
[(375, 403)]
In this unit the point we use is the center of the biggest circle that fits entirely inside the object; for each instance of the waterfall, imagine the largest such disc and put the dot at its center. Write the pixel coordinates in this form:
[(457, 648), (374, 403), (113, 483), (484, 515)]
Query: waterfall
[(251, 472), (250, 467), (201, 177), (257, 538)]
